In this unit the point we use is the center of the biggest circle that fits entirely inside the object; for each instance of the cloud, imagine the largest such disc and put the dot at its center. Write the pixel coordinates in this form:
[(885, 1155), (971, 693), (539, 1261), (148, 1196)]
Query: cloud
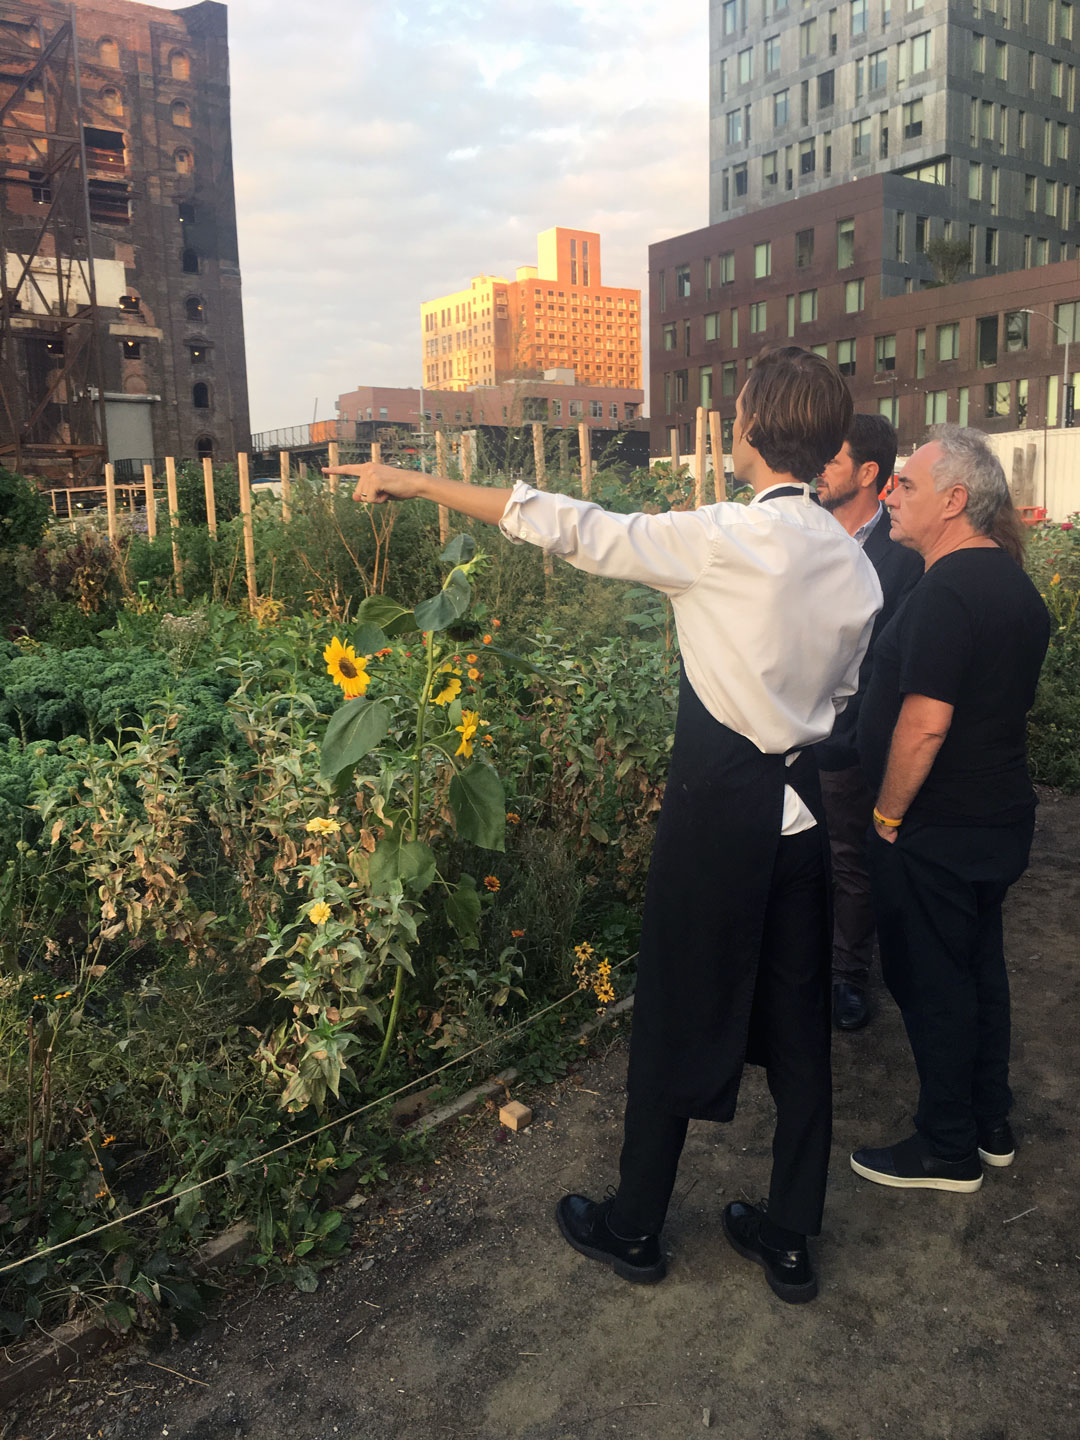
[(385, 153)]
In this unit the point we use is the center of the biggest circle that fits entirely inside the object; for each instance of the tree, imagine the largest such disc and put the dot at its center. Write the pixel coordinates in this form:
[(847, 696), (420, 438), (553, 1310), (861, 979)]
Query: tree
[(951, 259)]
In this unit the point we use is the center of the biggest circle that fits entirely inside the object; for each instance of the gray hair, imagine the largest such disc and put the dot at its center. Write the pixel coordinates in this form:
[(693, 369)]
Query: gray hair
[(966, 459)]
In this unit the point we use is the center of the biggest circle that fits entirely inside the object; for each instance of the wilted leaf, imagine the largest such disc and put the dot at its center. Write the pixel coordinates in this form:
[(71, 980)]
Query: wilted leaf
[(117, 1315)]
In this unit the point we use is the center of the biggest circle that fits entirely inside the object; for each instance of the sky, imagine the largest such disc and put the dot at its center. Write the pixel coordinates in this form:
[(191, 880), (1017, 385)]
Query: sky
[(387, 152)]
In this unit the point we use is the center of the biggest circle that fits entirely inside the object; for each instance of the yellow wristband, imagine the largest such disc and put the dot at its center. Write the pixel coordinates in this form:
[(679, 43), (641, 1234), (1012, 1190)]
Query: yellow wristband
[(889, 824)]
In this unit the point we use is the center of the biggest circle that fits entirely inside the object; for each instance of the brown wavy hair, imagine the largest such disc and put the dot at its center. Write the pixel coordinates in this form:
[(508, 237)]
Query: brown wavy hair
[(796, 409)]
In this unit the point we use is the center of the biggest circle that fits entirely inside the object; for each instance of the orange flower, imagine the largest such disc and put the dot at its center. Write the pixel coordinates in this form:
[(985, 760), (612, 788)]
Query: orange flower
[(487, 639), (472, 659), (516, 934), (491, 883), (382, 654), (474, 674), (495, 624), (513, 817)]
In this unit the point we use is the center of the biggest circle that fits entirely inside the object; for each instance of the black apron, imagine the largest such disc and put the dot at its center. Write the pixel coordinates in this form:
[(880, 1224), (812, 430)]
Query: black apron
[(704, 914)]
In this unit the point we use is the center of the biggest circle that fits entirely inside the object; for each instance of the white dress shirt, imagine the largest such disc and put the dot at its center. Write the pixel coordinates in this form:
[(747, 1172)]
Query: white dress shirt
[(774, 603), (861, 534)]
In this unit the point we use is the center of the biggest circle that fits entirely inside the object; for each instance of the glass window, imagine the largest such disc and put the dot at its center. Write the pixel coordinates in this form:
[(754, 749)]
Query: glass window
[(845, 244), (998, 400), (807, 39), (845, 357), (730, 16), (826, 89), (682, 281), (854, 296), (890, 408), (746, 65), (682, 386), (758, 317), (962, 405), (978, 53), (1016, 330), (990, 246), (913, 119), (922, 233), (780, 109), (769, 171), (791, 315), (1042, 251), (729, 379), (884, 352), (1056, 71), (920, 52), (920, 354), (1067, 316), (706, 386), (878, 69), (772, 54), (762, 259), (725, 265), (807, 306), (740, 179), (712, 327), (986, 341), (804, 248), (669, 337), (948, 341), (859, 11), (807, 160), (734, 328), (936, 406), (1001, 60), (860, 140), (735, 126), (975, 180)]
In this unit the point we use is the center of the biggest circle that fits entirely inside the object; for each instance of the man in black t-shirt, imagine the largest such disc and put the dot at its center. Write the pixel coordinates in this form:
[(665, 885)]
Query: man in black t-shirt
[(942, 739)]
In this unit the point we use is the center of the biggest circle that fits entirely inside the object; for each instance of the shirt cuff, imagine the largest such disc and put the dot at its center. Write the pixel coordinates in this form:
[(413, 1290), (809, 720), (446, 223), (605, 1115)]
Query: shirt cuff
[(513, 523)]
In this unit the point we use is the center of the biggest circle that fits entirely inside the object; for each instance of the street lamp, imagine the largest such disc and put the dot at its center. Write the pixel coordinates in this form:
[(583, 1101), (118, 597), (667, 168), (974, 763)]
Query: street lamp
[(1065, 376)]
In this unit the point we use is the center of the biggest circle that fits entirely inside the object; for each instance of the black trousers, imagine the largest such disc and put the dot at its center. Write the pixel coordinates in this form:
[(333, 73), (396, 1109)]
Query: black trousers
[(792, 1032), (938, 893), (849, 806)]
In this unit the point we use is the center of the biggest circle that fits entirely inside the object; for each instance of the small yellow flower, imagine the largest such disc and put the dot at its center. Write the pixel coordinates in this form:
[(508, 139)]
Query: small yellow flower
[(108, 1140), (474, 674), (491, 883), (449, 693), (319, 826), (1056, 580), (345, 669), (319, 913), (470, 723)]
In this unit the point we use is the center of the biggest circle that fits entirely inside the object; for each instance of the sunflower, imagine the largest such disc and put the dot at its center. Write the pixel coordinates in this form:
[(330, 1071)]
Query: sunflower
[(449, 693), (345, 669), (470, 723)]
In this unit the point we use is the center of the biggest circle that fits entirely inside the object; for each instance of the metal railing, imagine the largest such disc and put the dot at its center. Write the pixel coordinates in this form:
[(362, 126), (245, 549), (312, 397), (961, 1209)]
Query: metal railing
[(295, 437)]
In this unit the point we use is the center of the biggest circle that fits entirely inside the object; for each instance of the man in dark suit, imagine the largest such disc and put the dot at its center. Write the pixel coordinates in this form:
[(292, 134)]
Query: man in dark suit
[(849, 488)]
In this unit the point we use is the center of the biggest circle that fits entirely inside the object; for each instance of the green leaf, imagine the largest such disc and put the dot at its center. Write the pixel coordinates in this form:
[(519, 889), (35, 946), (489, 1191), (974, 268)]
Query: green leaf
[(479, 805), (118, 1315), (305, 1279), (510, 660), (410, 861), (449, 605), (463, 907), (459, 551), (390, 617), (353, 731), (367, 639)]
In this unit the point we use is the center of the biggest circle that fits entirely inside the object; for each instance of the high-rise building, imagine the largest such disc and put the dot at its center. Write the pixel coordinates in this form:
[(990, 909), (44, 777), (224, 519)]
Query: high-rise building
[(121, 332), (976, 101), (556, 314)]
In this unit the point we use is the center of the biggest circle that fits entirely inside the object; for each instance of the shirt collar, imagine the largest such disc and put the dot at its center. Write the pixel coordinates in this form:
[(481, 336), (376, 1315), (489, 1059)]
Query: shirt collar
[(781, 485), (862, 533)]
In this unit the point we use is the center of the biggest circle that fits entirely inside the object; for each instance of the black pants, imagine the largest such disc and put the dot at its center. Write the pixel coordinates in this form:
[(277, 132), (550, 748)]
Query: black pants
[(848, 808), (938, 892), (791, 1022)]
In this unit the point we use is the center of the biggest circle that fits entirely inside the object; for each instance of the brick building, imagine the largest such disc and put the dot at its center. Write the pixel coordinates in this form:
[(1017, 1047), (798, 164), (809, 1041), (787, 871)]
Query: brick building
[(812, 273), (555, 314), (558, 402), (155, 122)]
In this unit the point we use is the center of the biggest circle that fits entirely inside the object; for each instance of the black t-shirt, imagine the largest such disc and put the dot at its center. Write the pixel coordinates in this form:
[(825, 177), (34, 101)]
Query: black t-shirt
[(972, 633)]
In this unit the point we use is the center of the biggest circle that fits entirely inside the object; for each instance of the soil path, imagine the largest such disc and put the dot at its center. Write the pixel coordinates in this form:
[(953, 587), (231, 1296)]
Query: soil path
[(941, 1317)]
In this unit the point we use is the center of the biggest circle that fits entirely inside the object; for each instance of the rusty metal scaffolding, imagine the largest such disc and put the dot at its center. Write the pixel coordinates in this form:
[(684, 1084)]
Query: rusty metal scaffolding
[(52, 406)]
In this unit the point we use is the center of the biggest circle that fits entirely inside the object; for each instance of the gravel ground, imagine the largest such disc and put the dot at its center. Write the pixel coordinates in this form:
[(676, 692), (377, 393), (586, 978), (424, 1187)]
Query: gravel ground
[(462, 1313)]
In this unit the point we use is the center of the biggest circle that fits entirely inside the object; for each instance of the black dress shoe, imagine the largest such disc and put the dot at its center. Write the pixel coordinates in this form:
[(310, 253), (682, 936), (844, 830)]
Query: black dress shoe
[(787, 1271), (911, 1166), (996, 1144), (849, 1009), (584, 1225)]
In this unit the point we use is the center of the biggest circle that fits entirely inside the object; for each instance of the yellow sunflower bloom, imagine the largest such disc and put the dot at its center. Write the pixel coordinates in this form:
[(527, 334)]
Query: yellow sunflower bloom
[(319, 913), (345, 669), (470, 723), (449, 693), (318, 826)]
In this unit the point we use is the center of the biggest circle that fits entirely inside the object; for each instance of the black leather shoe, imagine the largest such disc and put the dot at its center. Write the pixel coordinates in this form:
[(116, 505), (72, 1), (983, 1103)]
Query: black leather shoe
[(911, 1166), (996, 1144), (849, 1009), (584, 1225), (787, 1271)]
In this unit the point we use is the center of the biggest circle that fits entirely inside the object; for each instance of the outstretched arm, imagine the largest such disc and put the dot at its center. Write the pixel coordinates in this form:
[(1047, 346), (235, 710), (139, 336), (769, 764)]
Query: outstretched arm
[(376, 483)]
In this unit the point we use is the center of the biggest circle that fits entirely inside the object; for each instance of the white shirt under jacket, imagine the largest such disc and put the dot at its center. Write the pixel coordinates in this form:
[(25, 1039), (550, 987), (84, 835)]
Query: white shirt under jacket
[(774, 603)]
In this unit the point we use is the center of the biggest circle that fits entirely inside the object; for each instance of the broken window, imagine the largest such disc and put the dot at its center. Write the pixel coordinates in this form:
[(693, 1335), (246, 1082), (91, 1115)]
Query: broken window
[(200, 395), (199, 353), (104, 149), (184, 162), (186, 212), (195, 309), (204, 447), (181, 114), (40, 189), (109, 202), (190, 261)]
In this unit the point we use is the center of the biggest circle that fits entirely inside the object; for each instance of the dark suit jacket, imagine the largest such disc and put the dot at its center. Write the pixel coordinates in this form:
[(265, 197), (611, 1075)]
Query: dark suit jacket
[(898, 568)]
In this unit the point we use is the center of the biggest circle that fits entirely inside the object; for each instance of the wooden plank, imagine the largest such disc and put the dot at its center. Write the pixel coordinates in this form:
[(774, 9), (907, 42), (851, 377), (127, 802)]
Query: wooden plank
[(110, 499), (333, 455), (584, 439), (249, 528), (699, 459), (286, 484), (208, 490), (442, 467), (174, 521), (716, 435), (151, 503), (676, 460), (376, 453)]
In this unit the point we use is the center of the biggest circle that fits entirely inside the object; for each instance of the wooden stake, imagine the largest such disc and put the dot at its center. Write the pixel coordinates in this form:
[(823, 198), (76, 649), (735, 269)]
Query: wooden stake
[(208, 487), (675, 459), (376, 453), (539, 459), (151, 503), (286, 485), (174, 520), (110, 500), (584, 440), (249, 529), (302, 467), (699, 459), (716, 435), (564, 454), (332, 458), (442, 468), (467, 457)]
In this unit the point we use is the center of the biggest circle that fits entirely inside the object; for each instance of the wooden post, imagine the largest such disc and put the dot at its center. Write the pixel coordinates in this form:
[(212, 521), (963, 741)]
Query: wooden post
[(584, 440), (332, 458), (151, 503), (376, 453), (467, 457), (302, 467), (249, 529), (716, 435), (174, 520), (208, 488), (675, 459), (442, 468), (110, 499), (131, 498), (699, 459), (539, 459), (286, 484), (564, 454)]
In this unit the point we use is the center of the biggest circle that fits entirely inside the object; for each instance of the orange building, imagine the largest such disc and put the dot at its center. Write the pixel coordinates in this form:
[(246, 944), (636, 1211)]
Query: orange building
[(553, 315)]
